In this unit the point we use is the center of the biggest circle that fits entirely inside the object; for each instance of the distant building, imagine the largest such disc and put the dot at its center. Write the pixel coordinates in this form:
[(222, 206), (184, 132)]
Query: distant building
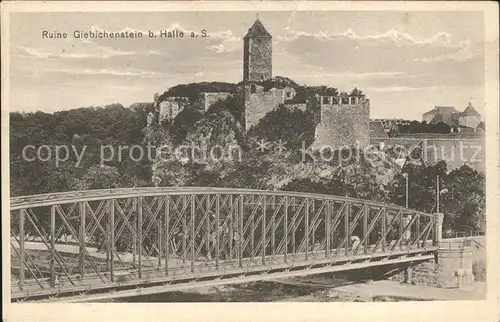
[(451, 116), (469, 117), (445, 114)]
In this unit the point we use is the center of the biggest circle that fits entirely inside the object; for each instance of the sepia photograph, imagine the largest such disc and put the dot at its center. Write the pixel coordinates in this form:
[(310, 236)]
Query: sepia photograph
[(248, 155)]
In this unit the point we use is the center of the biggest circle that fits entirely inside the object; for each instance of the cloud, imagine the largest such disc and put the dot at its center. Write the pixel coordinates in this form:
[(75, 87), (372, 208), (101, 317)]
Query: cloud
[(386, 61), (123, 87), (153, 52), (464, 52), (225, 41), (404, 72), (110, 72), (399, 38), (222, 42), (99, 52), (351, 74), (392, 45), (399, 89)]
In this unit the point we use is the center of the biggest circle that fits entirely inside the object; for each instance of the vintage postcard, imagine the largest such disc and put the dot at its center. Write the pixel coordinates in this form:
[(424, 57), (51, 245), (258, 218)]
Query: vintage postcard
[(327, 158)]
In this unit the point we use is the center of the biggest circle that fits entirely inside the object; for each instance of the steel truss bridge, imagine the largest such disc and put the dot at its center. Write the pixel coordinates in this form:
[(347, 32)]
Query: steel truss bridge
[(97, 244)]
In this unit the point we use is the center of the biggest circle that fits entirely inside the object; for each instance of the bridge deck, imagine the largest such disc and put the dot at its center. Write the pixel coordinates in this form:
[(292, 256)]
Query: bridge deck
[(180, 274)]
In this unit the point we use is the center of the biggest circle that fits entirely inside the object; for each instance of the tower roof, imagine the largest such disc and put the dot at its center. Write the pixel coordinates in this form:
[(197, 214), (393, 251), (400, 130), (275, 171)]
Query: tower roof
[(257, 31), (445, 109), (470, 111)]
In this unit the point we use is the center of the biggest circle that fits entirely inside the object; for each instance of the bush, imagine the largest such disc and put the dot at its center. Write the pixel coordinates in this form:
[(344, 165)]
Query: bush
[(479, 270)]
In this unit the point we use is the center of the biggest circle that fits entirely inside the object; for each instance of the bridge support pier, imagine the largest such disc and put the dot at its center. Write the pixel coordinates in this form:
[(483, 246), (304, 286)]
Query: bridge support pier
[(455, 266), (408, 277)]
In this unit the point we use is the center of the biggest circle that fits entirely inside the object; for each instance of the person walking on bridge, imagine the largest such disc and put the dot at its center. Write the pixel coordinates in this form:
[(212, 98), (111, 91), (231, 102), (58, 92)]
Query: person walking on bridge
[(355, 242)]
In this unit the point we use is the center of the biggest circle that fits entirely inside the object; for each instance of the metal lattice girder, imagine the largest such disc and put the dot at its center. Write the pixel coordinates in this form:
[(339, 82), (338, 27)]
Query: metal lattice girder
[(96, 239)]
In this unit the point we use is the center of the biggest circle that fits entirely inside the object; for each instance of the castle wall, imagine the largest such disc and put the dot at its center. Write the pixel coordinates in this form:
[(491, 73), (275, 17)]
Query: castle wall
[(258, 104), (210, 98), (257, 62), (455, 149), (343, 125), (171, 106)]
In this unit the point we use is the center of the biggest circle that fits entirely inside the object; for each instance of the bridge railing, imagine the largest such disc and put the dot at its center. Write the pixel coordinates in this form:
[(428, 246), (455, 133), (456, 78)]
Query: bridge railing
[(75, 241), (463, 234)]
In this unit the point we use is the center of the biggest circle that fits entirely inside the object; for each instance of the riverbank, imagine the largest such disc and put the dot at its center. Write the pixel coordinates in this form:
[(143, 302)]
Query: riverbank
[(392, 290)]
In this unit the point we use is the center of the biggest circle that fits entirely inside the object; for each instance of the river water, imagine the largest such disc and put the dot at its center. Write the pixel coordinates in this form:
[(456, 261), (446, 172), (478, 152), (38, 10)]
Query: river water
[(263, 292), (318, 288), (252, 292)]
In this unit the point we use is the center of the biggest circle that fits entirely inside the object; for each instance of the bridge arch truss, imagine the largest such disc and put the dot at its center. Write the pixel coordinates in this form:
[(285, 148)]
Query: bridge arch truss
[(101, 240)]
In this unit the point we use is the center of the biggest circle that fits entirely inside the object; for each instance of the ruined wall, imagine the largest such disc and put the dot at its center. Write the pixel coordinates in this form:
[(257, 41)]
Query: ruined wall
[(455, 149), (211, 98), (343, 125), (258, 104), (257, 60), (171, 106)]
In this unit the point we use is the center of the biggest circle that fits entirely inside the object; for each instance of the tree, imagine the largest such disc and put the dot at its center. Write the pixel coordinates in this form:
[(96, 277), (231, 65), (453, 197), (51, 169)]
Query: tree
[(99, 177), (292, 126), (423, 127), (464, 202), (231, 105), (462, 194), (192, 90), (88, 128), (422, 184), (356, 92)]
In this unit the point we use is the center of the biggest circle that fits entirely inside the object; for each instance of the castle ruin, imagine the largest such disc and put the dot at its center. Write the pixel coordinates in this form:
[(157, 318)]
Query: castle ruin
[(344, 119)]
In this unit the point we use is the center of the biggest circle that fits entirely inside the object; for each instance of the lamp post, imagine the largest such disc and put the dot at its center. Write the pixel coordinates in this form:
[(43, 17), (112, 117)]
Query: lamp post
[(437, 194), (438, 230), (407, 218), (406, 189)]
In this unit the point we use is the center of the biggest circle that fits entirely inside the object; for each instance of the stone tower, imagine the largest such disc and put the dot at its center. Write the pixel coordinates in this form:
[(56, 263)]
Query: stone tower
[(345, 121), (257, 54)]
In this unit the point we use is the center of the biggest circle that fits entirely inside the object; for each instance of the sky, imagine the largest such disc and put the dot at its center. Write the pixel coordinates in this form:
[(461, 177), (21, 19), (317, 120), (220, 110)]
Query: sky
[(405, 62)]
